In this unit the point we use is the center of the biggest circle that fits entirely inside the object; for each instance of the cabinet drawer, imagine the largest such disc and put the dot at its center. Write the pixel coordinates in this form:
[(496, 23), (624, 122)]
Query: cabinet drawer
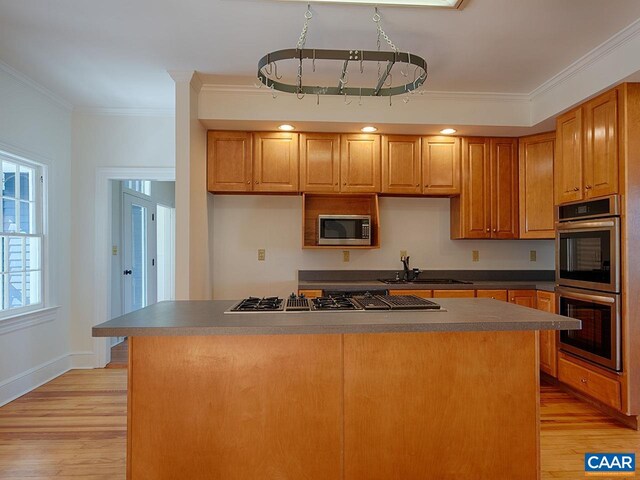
[(417, 293), (602, 388), (495, 294)]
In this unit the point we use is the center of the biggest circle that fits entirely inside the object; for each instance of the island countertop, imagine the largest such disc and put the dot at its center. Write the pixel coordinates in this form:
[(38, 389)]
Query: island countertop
[(195, 318)]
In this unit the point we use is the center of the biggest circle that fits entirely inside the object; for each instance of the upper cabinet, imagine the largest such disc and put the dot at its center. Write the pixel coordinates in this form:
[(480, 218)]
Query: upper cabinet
[(275, 162), (229, 164), (441, 166), (320, 162), (586, 163), (536, 186), (488, 204), (401, 167), (601, 145), (360, 163)]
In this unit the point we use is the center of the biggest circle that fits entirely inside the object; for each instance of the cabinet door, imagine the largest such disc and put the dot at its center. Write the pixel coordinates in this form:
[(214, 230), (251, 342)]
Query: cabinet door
[(360, 163), (319, 162), (601, 145), (275, 162), (504, 188), (525, 298), (568, 161), (536, 186), (400, 164), (475, 198), (440, 166), (229, 162), (546, 301)]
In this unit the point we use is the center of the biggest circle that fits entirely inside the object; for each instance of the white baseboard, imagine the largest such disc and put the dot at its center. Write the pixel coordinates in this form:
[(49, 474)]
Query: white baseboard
[(24, 382)]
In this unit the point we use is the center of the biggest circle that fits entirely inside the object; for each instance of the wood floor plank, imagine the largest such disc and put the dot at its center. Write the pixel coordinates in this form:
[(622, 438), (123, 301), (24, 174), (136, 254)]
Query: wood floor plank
[(75, 428)]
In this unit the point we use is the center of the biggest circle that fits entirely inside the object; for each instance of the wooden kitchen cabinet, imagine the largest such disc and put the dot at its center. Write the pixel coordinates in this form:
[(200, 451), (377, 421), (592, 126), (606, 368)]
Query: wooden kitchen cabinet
[(601, 145), (229, 164), (546, 301), (417, 293), (401, 169), (488, 204), (320, 162), (454, 293), (360, 163), (524, 298), (536, 204), (494, 294), (440, 165), (586, 378), (275, 162), (586, 163)]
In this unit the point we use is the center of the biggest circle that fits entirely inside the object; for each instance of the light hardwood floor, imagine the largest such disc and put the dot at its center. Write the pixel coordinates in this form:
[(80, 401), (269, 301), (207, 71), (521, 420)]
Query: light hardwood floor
[(75, 428)]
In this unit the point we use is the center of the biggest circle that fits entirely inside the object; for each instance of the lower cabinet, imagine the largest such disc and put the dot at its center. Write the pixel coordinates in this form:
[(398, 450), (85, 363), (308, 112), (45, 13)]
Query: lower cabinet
[(524, 298), (417, 293), (454, 293), (310, 293), (548, 349), (494, 294), (599, 384)]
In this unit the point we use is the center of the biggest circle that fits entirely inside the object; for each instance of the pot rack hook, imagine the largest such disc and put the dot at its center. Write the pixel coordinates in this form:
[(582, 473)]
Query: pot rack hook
[(345, 100), (317, 99), (275, 66), (274, 95), (360, 99), (404, 71), (259, 84), (313, 61)]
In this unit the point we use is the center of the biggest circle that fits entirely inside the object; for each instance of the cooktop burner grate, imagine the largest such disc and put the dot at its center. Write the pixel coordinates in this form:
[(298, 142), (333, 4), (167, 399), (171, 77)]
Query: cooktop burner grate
[(265, 304), (297, 305), (333, 303), (408, 302)]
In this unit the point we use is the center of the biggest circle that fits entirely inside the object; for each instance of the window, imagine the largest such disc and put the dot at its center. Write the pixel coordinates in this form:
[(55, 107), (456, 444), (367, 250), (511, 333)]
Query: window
[(21, 237), (142, 186)]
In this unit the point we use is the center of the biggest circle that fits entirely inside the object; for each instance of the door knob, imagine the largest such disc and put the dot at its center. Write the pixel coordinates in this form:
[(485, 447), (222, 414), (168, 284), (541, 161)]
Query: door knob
[(127, 272)]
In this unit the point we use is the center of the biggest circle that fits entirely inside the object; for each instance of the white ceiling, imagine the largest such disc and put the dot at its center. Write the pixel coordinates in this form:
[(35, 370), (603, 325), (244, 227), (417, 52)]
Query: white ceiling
[(116, 54)]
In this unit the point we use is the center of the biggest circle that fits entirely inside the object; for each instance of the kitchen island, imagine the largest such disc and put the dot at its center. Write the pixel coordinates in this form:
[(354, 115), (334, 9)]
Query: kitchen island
[(350, 395)]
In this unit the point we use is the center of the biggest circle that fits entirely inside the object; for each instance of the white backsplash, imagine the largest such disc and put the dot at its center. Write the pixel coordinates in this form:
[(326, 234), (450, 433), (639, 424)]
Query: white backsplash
[(242, 224)]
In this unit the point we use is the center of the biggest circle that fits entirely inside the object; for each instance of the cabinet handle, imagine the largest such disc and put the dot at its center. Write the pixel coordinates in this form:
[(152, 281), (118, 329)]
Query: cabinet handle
[(344, 183), (495, 230), (583, 380), (417, 184), (488, 230), (257, 182), (588, 187), (336, 184), (576, 189)]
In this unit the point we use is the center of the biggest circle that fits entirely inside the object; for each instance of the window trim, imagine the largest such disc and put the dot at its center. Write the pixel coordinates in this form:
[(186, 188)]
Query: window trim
[(40, 185)]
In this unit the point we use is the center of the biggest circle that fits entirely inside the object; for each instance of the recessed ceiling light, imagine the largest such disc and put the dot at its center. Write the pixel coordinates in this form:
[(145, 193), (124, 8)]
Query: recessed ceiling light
[(286, 128), (368, 129), (397, 3), (448, 131)]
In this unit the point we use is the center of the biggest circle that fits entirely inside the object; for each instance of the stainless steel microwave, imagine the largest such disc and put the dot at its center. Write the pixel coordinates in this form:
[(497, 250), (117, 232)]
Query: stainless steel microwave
[(344, 230)]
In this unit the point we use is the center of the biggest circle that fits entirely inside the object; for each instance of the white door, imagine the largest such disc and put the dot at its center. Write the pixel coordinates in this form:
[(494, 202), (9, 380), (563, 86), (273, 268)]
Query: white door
[(138, 253)]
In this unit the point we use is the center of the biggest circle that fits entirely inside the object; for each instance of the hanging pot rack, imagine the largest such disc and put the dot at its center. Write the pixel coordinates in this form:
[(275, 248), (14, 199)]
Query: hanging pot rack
[(268, 67)]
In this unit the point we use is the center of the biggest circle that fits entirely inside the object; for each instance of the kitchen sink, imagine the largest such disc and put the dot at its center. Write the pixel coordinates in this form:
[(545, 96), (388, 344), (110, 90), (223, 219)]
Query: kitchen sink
[(440, 281)]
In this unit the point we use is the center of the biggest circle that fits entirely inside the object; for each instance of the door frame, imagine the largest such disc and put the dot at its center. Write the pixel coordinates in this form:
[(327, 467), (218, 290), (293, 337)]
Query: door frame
[(102, 256)]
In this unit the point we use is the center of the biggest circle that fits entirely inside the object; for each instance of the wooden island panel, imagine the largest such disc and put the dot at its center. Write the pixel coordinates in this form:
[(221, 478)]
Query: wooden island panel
[(235, 407), (468, 409)]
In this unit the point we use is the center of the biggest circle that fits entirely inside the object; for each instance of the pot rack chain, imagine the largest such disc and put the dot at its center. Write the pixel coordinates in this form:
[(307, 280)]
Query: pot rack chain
[(269, 64)]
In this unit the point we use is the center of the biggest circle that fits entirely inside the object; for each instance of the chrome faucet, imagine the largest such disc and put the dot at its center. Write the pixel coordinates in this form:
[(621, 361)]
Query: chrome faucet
[(409, 274)]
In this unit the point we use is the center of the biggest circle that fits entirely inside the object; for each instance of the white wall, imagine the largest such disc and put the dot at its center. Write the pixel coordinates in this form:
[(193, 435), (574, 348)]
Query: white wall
[(37, 127), (105, 141), (242, 224)]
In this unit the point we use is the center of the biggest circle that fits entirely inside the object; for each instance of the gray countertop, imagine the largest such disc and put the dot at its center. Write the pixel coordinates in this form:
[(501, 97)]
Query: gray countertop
[(475, 285), (208, 318)]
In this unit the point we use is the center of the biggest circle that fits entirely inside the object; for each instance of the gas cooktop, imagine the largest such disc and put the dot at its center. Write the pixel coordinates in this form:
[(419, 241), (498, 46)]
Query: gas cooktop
[(337, 303)]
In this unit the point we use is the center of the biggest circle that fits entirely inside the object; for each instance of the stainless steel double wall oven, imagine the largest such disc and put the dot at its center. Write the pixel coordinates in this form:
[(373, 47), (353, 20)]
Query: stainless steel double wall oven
[(588, 278)]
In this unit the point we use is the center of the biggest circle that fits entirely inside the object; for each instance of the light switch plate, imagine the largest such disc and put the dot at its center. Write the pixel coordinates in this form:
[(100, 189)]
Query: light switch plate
[(475, 255), (262, 253), (533, 256), (114, 250), (345, 256)]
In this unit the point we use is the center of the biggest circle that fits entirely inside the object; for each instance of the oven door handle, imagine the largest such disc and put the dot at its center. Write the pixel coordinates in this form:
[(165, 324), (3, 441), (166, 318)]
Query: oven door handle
[(587, 297), (584, 225)]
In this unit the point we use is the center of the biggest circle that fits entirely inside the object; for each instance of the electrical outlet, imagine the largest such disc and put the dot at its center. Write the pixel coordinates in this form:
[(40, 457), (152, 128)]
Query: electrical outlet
[(114, 250), (403, 253), (475, 255), (262, 253), (533, 256), (345, 256)]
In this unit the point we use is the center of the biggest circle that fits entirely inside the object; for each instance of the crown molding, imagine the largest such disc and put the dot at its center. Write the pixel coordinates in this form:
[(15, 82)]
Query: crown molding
[(616, 41), (23, 79), (181, 76), (220, 89), (125, 111)]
